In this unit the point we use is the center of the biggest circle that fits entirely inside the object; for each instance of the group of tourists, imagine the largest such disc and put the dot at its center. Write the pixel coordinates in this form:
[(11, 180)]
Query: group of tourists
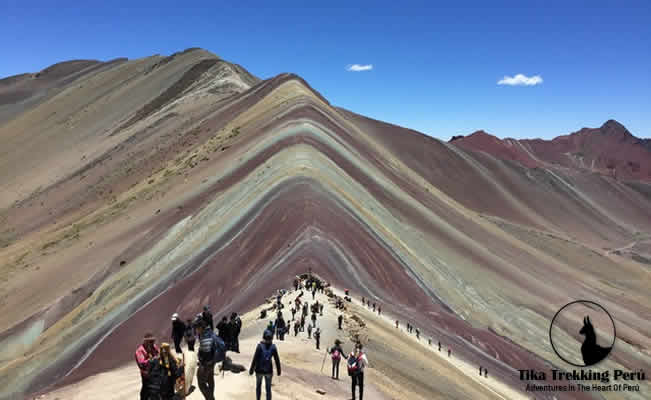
[(160, 370), (368, 304), (162, 373)]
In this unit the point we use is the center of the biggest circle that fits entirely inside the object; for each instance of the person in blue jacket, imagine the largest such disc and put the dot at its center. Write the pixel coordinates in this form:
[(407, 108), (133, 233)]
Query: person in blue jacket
[(262, 365)]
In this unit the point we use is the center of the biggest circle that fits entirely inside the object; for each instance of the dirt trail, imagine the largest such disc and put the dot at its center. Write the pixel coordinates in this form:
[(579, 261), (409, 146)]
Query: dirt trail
[(628, 246), (301, 363)]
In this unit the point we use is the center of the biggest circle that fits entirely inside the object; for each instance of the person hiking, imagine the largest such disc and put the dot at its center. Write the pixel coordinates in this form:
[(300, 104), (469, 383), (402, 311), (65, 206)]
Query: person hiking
[(296, 326), (340, 319), (262, 365), (396, 324), (178, 331), (321, 309), (317, 337), (449, 352), (417, 334), (293, 310), (145, 352), (313, 319), (357, 361), (236, 328), (190, 335), (303, 323), (309, 331), (270, 327), (373, 307), (379, 310), (439, 345), (162, 372), (336, 353), (207, 316), (280, 327), (212, 350)]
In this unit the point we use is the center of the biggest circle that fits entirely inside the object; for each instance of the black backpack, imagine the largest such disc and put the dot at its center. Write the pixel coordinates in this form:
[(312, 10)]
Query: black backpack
[(155, 375), (353, 365)]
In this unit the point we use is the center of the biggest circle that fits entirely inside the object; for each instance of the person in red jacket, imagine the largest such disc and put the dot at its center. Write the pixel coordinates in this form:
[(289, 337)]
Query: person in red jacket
[(145, 352)]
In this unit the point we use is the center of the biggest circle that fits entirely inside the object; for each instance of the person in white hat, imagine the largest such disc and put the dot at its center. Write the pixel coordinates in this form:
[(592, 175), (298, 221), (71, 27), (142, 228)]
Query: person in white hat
[(178, 330)]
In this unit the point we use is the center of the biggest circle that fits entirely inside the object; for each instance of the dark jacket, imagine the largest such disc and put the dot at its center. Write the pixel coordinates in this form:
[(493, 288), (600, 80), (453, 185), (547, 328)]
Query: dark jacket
[(259, 364), (207, 317), (190, 334), (224, 329), (160, 380), (236, 326), (178, 329), (280, 324)]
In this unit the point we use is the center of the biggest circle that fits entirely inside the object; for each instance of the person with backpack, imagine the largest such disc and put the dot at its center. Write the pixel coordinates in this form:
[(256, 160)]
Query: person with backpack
[(317, 337), (236, 328), (207, 317), (178, 331), (262, 365), (212, 350), (336, 352), (145, 352), (190, 335), (163, 371), (357, 361)]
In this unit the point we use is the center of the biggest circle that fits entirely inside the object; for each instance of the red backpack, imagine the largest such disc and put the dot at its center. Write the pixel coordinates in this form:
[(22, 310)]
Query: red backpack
[(336, 355)]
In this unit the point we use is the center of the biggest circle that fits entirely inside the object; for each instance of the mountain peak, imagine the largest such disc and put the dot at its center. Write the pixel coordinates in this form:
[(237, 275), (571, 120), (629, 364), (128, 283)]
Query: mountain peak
[(613, 127)]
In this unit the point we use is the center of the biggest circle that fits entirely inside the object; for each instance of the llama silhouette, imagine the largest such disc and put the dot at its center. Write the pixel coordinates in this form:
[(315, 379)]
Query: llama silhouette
[(592, 353)]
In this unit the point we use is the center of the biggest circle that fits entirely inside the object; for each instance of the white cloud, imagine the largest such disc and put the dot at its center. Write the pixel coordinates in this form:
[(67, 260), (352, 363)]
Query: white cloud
[(521, 80), (359, 67)]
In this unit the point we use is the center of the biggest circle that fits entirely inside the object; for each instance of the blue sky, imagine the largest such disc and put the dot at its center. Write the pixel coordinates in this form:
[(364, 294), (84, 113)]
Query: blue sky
[(435, 67)]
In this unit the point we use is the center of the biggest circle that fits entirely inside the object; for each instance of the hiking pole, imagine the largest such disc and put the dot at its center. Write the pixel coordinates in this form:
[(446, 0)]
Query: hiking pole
[(324, 358)]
